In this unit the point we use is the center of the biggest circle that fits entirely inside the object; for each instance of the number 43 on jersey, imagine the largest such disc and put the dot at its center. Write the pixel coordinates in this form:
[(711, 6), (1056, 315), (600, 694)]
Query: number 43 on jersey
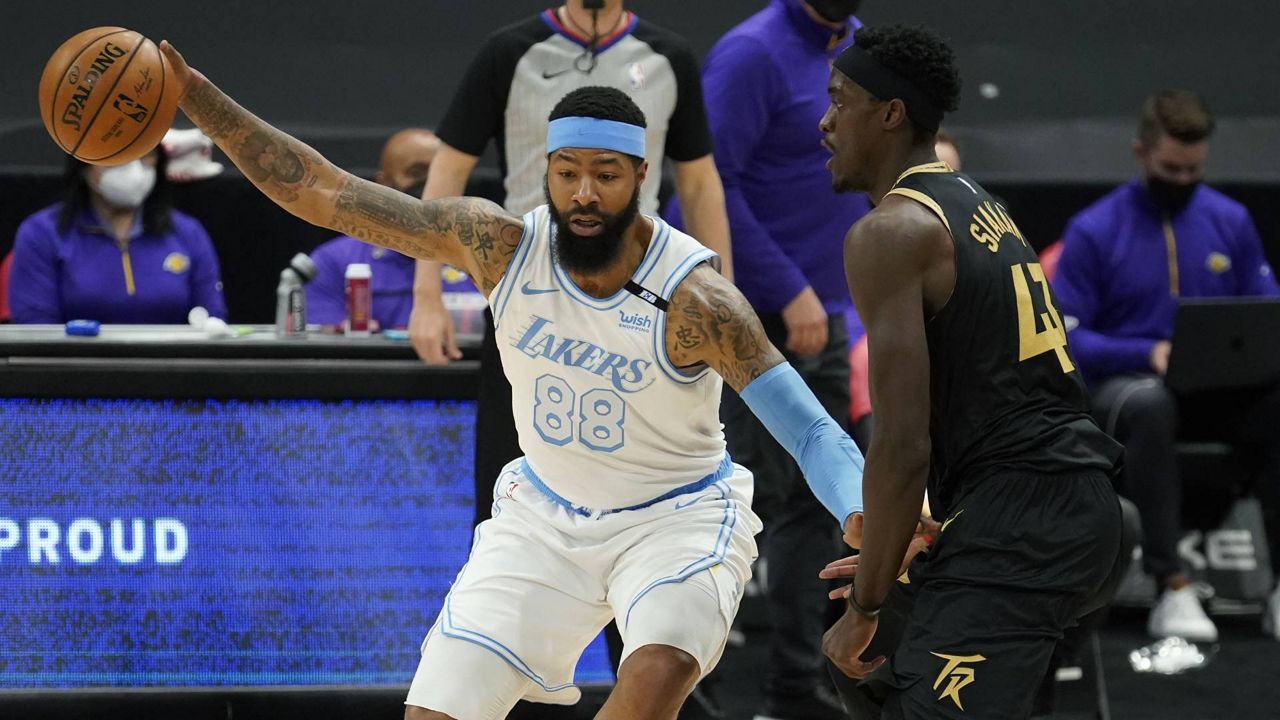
[(1033, 341)]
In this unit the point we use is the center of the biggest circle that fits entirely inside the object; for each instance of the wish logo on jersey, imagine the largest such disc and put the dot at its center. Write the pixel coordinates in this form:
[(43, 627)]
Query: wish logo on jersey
[(538, 340), (634, 321)]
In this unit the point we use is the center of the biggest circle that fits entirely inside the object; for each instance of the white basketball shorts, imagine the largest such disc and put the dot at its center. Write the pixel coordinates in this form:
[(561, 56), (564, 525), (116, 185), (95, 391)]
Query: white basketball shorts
[(543, 580)]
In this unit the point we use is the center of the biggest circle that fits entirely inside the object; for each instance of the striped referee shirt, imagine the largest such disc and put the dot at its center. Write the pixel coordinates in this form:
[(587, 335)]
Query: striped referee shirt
[(524, 69)]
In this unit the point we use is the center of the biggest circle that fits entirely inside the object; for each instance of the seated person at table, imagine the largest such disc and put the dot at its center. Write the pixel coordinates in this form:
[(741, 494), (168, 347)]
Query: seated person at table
[(1126, 262), (404, 163), (115, 251)]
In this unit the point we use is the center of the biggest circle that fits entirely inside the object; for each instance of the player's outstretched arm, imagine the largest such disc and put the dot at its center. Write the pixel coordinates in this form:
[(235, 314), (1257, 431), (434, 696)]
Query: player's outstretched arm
[(471, 233), (709, 321)]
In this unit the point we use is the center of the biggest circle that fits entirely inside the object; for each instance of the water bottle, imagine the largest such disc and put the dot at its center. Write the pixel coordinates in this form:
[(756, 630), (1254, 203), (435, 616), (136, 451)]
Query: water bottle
[(291, 301), (359, 300)]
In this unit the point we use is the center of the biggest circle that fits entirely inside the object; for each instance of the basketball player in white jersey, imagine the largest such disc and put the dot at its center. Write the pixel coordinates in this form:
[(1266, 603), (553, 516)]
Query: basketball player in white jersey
[(615, 333)]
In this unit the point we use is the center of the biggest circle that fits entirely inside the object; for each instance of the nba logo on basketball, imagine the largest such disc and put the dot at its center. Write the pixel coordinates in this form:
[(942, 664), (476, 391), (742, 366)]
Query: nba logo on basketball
[(129, 108)]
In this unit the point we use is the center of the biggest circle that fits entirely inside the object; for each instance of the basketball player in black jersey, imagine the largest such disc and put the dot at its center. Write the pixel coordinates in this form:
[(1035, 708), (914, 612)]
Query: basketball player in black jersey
[(975, 394)]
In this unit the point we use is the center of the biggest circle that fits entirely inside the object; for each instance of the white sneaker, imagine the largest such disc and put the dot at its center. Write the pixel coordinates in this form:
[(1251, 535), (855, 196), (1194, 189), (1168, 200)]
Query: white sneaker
[(1178, 614), (1271, 615)]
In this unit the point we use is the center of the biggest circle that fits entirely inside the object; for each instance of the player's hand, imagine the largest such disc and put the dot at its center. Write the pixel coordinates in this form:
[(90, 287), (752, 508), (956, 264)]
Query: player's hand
[(927, 529), (1160, 356), (847, 567), (806, 323), (853, 530), (844, 643), (431, 333), (183, 75)]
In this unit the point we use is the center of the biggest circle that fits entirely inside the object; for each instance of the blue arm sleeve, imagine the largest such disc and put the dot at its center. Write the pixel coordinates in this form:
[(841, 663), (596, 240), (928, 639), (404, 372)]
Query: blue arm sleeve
[(831, 463)]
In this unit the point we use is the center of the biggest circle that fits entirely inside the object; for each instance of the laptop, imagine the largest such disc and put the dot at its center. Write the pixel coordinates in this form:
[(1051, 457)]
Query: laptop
[(1225, 344)]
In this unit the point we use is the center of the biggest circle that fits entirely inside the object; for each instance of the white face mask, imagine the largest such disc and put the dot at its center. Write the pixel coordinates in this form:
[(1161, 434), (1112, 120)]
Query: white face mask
[(128, 185)]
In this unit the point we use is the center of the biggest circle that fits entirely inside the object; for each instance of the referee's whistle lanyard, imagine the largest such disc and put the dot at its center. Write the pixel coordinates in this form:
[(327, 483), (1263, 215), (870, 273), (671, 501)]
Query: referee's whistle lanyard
[(586, 62)]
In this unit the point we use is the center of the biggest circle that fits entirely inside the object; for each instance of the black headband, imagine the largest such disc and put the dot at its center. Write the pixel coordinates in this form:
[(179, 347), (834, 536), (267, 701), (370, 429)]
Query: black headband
[(886, 84)]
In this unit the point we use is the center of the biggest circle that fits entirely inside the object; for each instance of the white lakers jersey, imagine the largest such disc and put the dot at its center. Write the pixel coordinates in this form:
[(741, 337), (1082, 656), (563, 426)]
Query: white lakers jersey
[(606, 420)]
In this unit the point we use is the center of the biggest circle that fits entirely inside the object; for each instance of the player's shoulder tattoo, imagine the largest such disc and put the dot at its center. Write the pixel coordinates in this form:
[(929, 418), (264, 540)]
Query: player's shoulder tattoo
[(487, 232), (709, 321)]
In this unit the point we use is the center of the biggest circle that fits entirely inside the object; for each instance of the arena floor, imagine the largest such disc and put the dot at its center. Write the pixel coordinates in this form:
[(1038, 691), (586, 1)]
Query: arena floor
[(1241, 682)]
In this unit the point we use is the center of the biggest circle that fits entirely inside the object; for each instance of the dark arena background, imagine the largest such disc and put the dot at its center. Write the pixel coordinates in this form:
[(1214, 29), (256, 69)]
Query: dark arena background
[(190, 531)]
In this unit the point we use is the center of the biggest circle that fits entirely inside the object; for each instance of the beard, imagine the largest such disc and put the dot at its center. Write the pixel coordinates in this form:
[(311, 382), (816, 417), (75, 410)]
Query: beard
[(594, 253)]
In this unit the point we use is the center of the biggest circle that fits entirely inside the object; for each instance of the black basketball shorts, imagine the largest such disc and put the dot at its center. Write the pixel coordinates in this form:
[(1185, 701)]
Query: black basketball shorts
[(973, 623)]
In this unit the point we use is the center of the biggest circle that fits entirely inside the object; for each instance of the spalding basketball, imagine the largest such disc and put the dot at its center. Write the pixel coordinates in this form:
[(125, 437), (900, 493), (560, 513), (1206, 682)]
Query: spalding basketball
[(107, 96)]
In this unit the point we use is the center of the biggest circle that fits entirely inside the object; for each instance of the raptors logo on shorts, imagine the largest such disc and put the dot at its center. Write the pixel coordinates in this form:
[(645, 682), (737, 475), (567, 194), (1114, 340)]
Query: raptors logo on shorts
[(957, 675)]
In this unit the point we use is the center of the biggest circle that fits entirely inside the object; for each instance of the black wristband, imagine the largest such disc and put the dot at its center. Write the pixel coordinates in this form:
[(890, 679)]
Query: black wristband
[(861, 610)]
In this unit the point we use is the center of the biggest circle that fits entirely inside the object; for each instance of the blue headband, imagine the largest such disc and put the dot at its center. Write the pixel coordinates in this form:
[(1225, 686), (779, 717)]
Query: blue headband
[(586, 132)]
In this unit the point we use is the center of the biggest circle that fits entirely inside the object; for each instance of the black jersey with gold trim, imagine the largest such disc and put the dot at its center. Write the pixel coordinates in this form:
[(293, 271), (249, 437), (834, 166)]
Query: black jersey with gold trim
[(1007, 397)]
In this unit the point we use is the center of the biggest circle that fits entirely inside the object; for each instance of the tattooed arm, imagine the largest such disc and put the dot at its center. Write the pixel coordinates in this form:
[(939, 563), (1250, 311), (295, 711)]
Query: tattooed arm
[(709, 321), (470, 233)]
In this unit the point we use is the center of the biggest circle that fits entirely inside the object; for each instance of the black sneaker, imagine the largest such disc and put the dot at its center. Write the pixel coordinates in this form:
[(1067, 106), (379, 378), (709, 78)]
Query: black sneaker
[(821, 704)]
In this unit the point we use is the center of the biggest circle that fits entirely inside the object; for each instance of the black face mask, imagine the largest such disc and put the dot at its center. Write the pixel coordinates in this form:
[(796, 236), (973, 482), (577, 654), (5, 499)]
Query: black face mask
[(834, 10), (1170, 197)]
